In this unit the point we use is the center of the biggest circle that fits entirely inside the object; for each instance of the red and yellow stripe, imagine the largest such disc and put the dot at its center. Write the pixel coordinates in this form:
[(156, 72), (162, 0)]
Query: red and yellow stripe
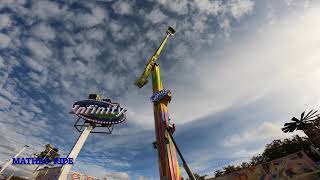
[(167, 158)]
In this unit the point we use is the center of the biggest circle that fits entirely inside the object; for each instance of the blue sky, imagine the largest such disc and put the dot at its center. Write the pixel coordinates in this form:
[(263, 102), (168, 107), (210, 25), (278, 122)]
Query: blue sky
[(238, 69)]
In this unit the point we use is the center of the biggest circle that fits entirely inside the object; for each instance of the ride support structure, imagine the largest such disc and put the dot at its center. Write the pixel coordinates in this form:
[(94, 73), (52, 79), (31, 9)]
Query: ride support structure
[(167, 157), (165, 144)]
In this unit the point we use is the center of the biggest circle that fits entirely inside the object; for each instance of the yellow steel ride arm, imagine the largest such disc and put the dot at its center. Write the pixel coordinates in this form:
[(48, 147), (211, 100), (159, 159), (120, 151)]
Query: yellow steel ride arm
[(144, 76)]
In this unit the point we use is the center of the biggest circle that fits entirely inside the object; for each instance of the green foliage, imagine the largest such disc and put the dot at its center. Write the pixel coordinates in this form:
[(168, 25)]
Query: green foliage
[(230, 168), (276, 149), (50, 152), (218, 173), (258, 159), (198, 177)]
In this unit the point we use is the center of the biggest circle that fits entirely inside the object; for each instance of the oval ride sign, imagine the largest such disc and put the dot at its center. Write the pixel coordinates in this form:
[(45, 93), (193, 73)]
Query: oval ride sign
[(101, 112)]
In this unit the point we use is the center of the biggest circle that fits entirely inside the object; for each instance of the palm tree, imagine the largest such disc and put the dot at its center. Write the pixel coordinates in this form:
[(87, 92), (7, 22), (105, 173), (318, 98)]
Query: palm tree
[(50, 152), (309, 124)]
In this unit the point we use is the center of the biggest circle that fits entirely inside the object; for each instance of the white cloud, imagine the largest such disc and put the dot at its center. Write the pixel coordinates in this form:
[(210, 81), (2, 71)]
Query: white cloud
[(178, 6), (156, 16), (209, 7), (105, 0), (118, 176), (120, 32), (33, 64), (97, 16), (14, 5), (143, 178), (9, 2), (14, 135), (123, 7), (288, 2), (200, 24), (38, 49), (87, 51), (225, 25), (5, 20), (2, 65), (245, 71), (34, 108), (114, 27), (4, 40), (11, 96), (265, 131), (44, 32), (238, 8), (68, 53), (4, 103), (95, 34), (46, 9)]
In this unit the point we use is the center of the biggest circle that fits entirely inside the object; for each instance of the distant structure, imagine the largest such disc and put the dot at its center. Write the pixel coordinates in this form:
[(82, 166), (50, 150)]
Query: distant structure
[(295, 166), (92, 114), (52, 173), (9, 161), (50, 152)]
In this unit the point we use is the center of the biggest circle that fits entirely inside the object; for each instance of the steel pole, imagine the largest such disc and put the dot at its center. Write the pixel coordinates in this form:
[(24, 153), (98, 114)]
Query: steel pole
[(10, 161), (75, 151), (185, 165)]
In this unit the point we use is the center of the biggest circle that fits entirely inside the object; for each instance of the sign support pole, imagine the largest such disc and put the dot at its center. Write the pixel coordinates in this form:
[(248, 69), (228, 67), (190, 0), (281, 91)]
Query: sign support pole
[(75, 151), (10, 161)]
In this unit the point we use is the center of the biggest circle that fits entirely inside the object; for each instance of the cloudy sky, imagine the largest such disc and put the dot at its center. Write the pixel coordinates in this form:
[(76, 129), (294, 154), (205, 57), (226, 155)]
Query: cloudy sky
[(238, 69)]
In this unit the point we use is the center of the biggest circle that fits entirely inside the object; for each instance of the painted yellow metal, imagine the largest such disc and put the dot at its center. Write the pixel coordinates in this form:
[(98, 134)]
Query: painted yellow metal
[(144, 76)]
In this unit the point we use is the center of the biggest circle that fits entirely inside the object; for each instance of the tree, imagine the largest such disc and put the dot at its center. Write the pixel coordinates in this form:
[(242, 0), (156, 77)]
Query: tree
[(244, 165), (313, 132), (50, 152), (218, 173), (230, 168), (276, 149), (309, 124), (198, 177), (258, 159)]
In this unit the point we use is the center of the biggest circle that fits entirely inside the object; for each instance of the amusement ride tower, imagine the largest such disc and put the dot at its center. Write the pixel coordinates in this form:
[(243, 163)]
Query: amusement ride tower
[(165, 144)]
